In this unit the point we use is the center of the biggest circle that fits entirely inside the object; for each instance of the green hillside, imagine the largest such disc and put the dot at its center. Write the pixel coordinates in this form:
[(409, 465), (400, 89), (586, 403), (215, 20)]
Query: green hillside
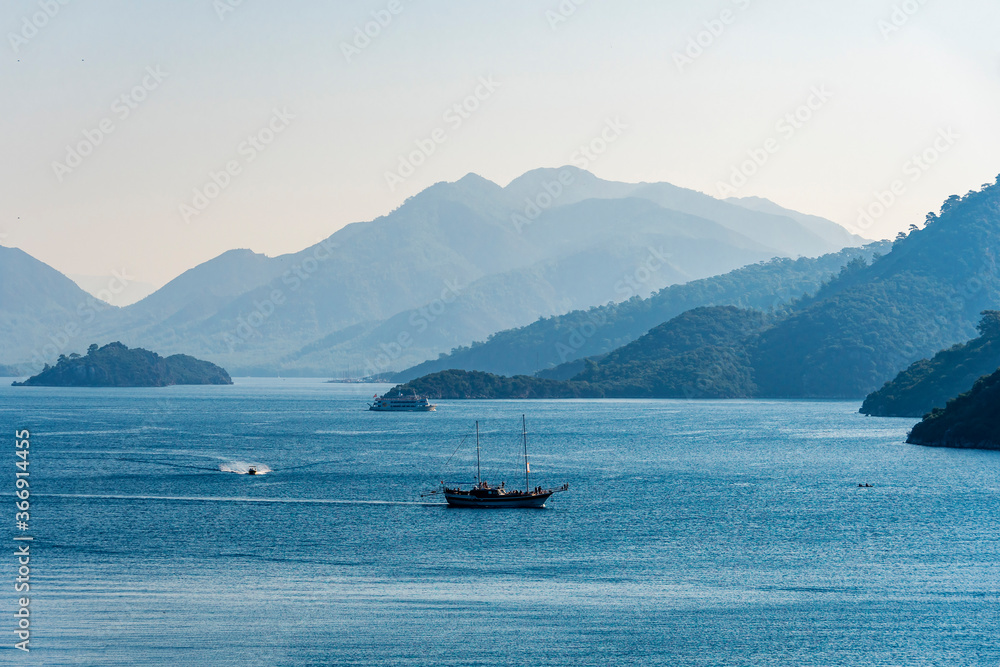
[(115, 365), (865, 327), (929, 383), (972, 420), (857, 331), (552, 341), (698, 353)]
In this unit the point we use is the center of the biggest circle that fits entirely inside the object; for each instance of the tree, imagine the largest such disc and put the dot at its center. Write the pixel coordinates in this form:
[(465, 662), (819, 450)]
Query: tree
[(92, 348), (950, 203), (989, 325)]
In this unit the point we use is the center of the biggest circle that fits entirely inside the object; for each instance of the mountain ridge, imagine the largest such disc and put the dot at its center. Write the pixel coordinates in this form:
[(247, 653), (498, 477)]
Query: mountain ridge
[(864, 325), (245, 310)]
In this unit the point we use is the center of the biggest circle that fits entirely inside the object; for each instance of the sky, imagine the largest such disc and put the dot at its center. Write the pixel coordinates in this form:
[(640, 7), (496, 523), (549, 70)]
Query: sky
[(147, 137)]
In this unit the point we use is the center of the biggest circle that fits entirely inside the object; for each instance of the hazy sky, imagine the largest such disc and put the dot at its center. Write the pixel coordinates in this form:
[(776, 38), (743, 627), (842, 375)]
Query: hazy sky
[(310, 129)]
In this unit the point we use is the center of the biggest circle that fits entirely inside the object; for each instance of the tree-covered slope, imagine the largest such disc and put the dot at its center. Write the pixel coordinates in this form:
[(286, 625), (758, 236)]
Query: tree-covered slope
[(861, 329), (865, 325), (41, 310), (971, 420), (930, 383), (552, 341), (115, 365), (477, 384), (698, 353)]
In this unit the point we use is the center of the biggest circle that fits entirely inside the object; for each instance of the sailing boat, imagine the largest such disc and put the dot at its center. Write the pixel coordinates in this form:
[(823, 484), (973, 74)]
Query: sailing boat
[(484, 495)]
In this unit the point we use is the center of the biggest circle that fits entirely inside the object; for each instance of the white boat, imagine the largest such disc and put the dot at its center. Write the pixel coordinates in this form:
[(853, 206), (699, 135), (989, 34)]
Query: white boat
[(482, 494), (401, 404)]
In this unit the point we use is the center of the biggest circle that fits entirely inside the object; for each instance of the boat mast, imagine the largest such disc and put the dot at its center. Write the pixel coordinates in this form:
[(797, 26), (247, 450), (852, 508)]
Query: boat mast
[(524, 433), (479, 472)]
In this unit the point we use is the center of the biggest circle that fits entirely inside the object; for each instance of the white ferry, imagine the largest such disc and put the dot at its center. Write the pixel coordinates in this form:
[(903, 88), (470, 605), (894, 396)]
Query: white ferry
[(401, 404)]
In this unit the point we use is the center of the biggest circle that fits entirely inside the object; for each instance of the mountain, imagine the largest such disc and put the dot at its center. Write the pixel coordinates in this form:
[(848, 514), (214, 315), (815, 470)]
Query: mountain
[(115, 365), (603, 250), (972, 420), (201, 291), (118, 289), (700, 352), (821, 227), (553, 344), (863, 326), (789, 232), (929, 383), (456, 384), (42, 312), (453, 264)]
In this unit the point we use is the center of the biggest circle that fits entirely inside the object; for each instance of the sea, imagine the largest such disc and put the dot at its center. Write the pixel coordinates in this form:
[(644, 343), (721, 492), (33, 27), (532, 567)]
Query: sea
[(693, 532)]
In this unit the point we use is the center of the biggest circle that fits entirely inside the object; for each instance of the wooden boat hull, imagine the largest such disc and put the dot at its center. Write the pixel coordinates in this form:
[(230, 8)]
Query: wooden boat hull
[(467, 500)]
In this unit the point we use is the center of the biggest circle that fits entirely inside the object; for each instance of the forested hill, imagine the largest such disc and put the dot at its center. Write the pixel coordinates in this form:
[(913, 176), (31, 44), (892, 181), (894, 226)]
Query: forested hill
[(701, 352), (971, 420), (862, 329), (550, 342), (115, 365), (871, 321), (930, 383)]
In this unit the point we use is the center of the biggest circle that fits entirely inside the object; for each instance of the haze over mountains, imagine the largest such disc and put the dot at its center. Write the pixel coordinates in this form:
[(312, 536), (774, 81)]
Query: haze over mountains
[(554, 347), (853, 334), (453, 264)]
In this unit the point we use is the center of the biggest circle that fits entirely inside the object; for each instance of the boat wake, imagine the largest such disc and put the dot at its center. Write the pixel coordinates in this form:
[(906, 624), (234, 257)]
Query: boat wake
[(244, 468), (217, 499)]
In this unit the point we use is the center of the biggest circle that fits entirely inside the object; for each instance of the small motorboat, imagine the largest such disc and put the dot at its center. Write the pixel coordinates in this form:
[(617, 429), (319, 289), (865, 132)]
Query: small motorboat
[(251, 470)]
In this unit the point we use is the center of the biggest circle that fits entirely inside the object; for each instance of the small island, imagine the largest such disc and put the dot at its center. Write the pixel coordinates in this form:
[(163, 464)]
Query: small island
[(115, 365), (971, 420)]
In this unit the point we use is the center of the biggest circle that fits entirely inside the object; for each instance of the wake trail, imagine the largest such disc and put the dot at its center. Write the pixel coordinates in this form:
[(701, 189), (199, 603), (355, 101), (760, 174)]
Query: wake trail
[(172, 465), (243, 499)]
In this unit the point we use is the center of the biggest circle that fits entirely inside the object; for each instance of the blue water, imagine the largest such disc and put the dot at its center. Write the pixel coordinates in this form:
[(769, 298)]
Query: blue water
[(693, 533)]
